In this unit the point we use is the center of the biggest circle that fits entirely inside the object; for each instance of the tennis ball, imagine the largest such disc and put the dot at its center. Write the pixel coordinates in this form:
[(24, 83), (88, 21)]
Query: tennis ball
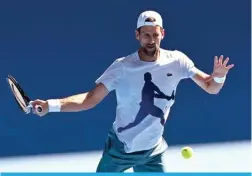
[(187, 152)]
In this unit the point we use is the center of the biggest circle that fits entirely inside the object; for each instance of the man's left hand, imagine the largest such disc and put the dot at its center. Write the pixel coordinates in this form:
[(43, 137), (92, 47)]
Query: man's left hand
[(220, 67)]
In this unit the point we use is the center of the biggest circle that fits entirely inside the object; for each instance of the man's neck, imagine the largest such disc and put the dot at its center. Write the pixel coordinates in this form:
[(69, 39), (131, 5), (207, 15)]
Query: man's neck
[(147, 58)]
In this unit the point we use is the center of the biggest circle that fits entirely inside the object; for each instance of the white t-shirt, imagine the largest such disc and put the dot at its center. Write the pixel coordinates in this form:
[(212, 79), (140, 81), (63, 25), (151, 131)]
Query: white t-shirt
[(144, 95)]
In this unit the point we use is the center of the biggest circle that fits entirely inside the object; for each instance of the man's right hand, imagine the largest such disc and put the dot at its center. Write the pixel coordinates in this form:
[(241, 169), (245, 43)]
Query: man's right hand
[(43, 104)]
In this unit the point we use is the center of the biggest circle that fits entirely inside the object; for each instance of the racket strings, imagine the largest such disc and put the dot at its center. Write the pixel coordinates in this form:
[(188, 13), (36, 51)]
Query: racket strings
[(21, 99)]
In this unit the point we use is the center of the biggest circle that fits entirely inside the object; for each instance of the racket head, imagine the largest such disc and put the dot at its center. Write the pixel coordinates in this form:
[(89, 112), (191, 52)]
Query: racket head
[(21, 98)]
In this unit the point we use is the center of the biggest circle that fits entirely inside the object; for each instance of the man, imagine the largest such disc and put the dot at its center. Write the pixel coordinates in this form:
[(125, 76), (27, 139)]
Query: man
[(136, 137)]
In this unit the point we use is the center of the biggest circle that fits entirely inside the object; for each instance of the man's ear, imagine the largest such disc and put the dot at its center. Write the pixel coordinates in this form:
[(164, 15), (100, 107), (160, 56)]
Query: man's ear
[(137, 34), (163, 33)]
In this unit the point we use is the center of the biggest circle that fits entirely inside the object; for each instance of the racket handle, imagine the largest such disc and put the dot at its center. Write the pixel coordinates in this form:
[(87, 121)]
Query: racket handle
[(38, 108)]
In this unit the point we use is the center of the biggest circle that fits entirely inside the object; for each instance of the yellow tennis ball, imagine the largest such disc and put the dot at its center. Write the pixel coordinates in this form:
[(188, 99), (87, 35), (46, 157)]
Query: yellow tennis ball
[(187, 152)]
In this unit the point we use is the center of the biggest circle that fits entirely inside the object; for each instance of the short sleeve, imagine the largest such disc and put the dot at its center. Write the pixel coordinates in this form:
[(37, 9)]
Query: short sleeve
[(112, 75), (186, 65)]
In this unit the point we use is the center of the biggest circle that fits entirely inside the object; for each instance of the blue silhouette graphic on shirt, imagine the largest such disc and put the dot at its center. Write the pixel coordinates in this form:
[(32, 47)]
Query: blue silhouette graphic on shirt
[(149, 92)]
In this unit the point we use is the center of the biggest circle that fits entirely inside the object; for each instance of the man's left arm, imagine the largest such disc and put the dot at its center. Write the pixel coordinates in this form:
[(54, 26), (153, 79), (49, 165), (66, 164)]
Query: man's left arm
[(214, 82)]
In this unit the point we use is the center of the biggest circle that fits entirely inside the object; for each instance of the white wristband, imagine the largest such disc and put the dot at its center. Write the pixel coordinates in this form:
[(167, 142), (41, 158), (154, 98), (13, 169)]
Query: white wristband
[(54, 105), (220, 80)]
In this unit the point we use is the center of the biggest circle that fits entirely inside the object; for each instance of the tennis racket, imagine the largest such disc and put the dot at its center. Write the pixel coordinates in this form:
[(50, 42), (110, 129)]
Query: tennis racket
[(21, 98)]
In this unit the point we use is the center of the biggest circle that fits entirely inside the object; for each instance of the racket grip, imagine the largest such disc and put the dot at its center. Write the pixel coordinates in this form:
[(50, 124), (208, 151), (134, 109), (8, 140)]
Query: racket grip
[(38, 108)]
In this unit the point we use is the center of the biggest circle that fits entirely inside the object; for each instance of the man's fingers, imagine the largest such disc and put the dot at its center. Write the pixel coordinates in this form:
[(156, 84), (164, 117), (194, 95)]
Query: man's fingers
[(216, 60), (225, 62), (221, 60), (230, 66), (34, 104)]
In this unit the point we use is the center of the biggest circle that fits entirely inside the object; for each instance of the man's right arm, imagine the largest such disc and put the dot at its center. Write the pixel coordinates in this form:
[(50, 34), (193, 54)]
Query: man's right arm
[(84, 101), (74, 103), (107, 82)]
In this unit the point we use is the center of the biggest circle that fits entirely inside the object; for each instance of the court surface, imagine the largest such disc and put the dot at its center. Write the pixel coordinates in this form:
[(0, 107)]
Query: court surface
[(223, 157)]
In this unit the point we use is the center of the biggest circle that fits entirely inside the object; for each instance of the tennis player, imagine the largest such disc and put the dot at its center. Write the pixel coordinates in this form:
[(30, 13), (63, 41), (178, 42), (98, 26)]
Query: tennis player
[(145, 83)]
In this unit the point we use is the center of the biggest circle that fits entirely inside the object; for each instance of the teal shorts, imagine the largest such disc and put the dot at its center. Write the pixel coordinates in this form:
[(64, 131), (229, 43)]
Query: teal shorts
[(115, 159)]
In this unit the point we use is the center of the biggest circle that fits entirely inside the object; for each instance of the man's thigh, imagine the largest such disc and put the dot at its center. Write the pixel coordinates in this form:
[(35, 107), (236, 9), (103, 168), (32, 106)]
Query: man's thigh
[(110, 164), (155, 164), (114, 159)]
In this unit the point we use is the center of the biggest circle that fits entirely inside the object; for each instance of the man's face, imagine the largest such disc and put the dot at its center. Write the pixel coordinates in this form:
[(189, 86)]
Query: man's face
[(150, 38)]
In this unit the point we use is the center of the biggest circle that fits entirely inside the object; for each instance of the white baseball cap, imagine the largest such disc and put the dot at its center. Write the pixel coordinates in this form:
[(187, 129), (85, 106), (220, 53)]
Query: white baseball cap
[(149, 14)]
